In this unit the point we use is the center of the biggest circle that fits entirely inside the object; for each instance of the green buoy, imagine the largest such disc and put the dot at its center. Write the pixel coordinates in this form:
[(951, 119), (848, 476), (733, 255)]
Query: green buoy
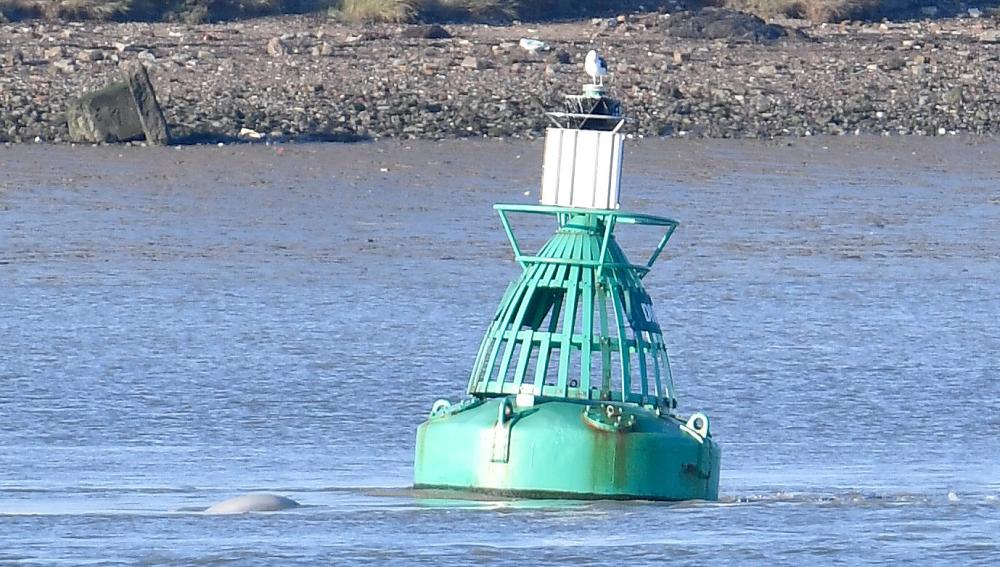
[(571, 394)]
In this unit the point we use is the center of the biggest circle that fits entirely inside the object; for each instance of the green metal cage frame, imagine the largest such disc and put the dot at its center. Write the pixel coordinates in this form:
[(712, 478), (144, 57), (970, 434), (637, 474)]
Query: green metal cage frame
[(580, 280)]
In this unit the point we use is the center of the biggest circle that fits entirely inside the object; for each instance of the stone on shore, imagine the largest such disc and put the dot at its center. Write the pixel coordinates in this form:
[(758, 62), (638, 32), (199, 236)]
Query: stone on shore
[(324, 49), (144, 96), (53, 53), (64, 66), (990, 36), (720, 23), (433, 31), (276, 47), (123, 111), (13, 57), (90, 55), (105, 115)]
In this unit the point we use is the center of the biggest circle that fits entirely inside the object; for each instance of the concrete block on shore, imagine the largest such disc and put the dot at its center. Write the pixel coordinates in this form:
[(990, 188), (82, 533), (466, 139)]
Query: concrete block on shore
[(123, 111), (13, 57), (106, 115), (153, 124)]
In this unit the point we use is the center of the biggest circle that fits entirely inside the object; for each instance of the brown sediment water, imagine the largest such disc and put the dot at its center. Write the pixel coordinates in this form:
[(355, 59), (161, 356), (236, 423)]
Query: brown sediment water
[(181, 326)]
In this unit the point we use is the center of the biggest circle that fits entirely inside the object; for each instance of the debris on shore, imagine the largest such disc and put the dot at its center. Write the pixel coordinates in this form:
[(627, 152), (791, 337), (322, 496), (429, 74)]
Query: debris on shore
[(123, 111)]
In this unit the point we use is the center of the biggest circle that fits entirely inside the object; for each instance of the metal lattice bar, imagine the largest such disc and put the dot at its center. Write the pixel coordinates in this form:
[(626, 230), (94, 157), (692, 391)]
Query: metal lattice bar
[(577, 296)]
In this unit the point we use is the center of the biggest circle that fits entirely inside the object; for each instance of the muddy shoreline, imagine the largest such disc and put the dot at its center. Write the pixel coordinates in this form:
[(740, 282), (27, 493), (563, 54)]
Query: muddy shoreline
[(308, 78)]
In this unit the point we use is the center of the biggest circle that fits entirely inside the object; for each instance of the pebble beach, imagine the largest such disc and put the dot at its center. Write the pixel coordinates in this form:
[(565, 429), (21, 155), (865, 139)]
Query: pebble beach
[(311, 78)]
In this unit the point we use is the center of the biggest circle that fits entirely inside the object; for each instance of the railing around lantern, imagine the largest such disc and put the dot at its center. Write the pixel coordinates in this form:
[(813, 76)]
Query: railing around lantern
[(610, 219)]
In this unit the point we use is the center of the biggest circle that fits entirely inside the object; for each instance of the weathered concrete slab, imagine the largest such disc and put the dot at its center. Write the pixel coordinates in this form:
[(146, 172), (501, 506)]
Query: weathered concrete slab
[(107, 115), (123, 111), (154, 126)]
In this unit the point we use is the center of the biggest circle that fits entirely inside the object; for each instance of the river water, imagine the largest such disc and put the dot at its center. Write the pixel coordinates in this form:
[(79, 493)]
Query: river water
[(178, 326)]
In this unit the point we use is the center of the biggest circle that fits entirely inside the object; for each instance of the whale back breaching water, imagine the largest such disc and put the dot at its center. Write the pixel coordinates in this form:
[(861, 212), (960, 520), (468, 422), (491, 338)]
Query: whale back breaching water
[(252, 503), (571, 393)]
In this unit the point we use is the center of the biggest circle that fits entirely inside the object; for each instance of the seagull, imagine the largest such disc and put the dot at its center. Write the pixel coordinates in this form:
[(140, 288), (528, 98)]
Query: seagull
[(596, 67)]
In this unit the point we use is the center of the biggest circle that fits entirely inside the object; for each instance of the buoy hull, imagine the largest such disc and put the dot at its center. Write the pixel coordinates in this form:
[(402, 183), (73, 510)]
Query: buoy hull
[(566, 449)]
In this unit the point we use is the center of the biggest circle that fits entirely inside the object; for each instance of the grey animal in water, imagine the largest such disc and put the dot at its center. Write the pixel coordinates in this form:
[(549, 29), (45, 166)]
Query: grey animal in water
[(252, 503)]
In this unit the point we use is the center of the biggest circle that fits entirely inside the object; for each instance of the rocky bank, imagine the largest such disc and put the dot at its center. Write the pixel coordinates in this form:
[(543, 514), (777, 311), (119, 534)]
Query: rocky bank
[(307, 77)]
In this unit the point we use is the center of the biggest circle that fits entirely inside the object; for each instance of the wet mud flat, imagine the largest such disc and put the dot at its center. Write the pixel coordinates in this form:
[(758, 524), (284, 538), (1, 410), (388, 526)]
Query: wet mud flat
[(858, 200), (855, 182)]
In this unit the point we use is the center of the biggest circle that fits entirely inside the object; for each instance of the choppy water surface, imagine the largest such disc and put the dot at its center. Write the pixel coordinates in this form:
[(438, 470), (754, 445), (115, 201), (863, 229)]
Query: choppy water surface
[(181, 326)]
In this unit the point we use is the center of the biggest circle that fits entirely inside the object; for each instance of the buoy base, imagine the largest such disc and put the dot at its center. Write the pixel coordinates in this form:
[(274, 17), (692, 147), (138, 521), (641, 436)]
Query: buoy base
[(566, 449)]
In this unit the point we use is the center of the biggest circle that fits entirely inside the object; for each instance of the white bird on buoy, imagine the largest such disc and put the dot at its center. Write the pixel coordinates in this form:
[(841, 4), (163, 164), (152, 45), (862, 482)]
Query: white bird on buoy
[(596, 66)]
